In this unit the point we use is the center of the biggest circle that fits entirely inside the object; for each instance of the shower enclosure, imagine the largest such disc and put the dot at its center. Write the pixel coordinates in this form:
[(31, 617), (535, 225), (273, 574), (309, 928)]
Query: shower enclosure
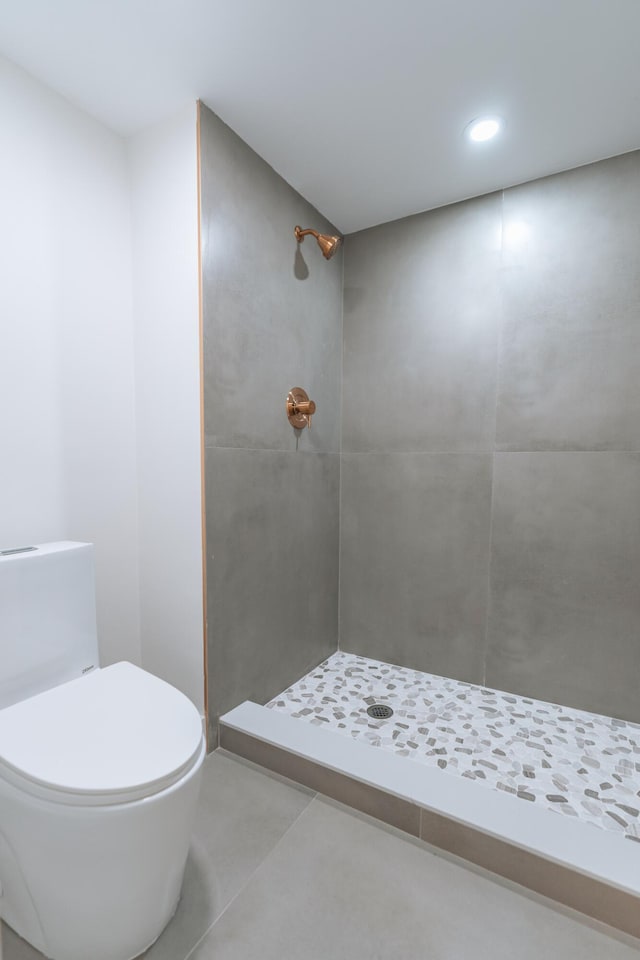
[(458, 536)]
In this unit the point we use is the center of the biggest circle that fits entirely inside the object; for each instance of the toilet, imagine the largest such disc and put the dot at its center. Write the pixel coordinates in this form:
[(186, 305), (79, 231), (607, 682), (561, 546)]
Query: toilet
[(100, 770)]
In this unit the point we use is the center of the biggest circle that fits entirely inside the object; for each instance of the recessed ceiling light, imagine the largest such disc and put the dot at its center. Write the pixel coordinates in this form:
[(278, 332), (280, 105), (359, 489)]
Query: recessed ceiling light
[(484, 128)]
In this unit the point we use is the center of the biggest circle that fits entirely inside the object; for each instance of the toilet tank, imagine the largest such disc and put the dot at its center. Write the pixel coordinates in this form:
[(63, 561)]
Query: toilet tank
[(47, 618)]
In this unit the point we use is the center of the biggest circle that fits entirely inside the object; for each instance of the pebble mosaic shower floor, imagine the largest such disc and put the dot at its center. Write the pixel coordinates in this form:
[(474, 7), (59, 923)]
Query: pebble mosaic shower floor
[(575, 763)]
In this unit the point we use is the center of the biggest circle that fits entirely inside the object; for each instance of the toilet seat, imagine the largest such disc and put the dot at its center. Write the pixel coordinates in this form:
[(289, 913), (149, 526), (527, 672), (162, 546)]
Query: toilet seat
[(116, 735)]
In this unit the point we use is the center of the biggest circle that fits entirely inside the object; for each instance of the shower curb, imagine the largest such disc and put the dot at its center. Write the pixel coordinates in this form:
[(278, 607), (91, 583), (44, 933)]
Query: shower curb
[(577, 865)]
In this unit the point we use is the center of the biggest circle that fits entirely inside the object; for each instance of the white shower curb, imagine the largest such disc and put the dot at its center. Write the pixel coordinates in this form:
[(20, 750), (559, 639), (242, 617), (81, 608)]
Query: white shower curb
[(581, 848)]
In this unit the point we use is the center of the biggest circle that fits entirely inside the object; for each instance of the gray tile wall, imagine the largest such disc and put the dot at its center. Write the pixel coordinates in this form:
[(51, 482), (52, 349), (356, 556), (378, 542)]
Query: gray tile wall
[(272, 321), (490, 510)]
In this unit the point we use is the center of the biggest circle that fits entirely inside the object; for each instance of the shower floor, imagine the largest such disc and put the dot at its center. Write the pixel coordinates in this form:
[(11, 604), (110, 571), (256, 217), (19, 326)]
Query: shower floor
[(577, 764)]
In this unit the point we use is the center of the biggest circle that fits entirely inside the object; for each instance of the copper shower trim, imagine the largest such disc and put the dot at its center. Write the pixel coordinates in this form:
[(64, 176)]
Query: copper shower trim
[(327, 243), (299, 408)]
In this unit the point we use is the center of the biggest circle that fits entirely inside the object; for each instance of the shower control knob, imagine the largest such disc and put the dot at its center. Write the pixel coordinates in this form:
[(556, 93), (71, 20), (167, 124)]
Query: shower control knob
[(299, 408), (307, 407)]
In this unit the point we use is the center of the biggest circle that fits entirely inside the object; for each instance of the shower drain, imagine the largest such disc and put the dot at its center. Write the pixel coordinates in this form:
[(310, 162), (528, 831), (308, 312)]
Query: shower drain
[(380, 711)]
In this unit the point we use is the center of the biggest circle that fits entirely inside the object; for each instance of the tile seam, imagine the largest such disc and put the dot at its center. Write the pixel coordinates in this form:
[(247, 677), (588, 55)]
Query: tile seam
[(316, 453), (470, 453), (340, 444), (487, 612), (246, 883)]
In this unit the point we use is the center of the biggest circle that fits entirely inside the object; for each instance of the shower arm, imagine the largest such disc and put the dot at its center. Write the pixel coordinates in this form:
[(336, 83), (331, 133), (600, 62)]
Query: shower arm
[(301, 234)]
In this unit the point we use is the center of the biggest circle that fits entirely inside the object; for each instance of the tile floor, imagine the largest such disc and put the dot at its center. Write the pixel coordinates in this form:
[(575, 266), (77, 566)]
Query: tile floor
[(574, 763), (279, 873)]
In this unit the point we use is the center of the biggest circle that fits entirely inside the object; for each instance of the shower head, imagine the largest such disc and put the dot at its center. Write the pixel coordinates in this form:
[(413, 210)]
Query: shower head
[(327, 243)]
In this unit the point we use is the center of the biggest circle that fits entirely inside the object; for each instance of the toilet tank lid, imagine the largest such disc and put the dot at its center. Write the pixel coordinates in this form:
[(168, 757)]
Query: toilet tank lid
[(115, 732)]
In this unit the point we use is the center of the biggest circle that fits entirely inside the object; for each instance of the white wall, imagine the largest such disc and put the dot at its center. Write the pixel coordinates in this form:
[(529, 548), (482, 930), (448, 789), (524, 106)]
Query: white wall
[(87, 224), (166, 304), (67, 427)]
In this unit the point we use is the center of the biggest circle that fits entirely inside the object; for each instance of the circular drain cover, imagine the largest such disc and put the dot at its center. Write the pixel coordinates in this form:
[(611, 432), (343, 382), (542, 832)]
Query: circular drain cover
[(380, 711)]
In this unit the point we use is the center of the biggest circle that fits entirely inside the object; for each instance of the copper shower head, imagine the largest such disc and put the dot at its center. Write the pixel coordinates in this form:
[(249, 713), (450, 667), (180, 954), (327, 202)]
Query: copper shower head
[(327, 243)]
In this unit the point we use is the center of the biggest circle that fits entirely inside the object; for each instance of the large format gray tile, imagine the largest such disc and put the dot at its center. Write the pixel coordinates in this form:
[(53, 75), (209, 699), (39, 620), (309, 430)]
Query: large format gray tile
[(570, 357), (339, 886), (581, 247), (272, 551), (564, 619), (272, 312), (242, 815), (12, 947), (556, 642), (421, 324), (563, 388), (415, 559), (569, 516)]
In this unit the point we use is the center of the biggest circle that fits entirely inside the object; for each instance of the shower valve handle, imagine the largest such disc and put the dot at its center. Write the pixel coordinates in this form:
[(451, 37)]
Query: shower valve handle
[(307, 407), (299, 408)]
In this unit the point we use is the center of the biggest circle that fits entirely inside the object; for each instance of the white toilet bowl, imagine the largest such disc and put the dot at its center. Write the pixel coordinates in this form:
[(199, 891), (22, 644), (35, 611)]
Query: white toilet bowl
[(99, 780)]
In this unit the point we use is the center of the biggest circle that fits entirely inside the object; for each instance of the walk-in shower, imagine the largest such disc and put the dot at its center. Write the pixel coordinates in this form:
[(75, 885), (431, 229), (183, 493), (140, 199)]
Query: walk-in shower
[(457, 539)]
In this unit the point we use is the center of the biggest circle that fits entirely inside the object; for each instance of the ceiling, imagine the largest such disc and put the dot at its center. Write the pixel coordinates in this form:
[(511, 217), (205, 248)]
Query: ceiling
[(359, 104)]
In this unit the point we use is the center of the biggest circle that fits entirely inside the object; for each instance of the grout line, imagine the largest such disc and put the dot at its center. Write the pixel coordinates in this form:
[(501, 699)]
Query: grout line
[(230, 446), (485, 647), (487, 614), (419, 453), (482, 453), (340, 443), (248, 880)]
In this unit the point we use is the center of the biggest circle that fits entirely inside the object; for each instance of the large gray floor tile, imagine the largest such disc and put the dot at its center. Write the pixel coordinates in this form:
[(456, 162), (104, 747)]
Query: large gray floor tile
[(415, 559), (272, 570), (564, 620), (341, 887), (242, 815), (13, 948), (421, 323)]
